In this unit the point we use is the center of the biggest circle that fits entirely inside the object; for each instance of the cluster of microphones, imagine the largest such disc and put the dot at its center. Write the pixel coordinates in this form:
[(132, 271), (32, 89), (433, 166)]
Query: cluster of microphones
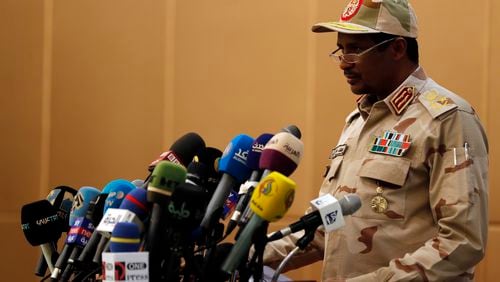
[(170, 226)]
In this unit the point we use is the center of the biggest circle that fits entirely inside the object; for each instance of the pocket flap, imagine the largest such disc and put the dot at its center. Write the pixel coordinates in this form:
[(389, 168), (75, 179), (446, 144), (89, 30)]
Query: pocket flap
[(333, 168), (393, 170)]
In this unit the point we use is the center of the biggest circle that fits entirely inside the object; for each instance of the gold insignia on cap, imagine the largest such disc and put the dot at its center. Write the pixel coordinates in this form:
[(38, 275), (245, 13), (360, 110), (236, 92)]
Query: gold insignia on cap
[(402, 99)]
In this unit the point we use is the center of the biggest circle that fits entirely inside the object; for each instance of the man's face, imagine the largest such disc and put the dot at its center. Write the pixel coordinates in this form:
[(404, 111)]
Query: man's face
[(372, 73)]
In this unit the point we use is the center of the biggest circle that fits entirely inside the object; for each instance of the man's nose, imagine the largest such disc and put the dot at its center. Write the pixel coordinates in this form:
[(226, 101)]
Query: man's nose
[(344, 65)]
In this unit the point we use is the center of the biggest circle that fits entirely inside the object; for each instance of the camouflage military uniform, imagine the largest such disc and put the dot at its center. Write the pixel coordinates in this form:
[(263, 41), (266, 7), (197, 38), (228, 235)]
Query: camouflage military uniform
[(434, 227)]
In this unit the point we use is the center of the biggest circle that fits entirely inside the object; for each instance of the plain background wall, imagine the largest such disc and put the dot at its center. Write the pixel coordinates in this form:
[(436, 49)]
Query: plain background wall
[(94, 90)]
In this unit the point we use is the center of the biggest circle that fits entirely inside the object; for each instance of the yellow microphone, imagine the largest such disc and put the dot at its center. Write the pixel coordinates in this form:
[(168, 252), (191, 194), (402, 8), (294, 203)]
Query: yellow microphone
[(270, 201)]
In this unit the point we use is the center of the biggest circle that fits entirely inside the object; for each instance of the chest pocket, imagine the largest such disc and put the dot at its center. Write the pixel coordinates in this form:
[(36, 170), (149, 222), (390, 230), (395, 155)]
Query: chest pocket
[(390, 174)]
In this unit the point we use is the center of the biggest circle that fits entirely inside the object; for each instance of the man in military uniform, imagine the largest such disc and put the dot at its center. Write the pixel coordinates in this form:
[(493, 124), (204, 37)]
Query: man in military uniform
[(414, 152)]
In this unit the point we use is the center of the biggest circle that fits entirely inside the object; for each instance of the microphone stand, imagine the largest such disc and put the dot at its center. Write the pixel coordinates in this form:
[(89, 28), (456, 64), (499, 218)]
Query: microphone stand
[(300, 245), (256, 264)]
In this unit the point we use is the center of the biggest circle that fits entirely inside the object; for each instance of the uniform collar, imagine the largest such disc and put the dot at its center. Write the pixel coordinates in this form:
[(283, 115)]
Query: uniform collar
[(400, 98)]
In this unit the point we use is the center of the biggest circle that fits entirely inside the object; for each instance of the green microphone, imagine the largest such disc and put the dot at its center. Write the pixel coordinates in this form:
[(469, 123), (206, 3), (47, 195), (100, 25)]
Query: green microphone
[(165, 178)]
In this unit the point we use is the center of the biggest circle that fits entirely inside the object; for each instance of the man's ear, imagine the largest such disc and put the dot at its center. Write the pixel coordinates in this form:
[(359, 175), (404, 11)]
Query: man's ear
[(398, 48)]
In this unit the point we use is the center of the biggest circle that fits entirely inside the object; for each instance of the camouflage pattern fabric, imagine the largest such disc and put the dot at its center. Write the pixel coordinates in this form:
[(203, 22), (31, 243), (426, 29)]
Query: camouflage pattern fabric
[(434, 227)]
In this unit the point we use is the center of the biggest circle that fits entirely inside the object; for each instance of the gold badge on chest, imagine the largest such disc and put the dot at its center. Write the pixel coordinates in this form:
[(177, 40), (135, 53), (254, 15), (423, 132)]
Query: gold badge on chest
[(379, 203)]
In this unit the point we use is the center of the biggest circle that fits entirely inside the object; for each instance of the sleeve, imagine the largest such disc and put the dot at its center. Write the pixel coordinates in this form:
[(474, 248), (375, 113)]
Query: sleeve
[(458, 198), (277, 250)]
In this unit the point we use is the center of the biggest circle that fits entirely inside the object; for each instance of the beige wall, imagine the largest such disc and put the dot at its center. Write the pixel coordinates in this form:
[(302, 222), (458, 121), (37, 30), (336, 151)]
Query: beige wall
[(94, 90)]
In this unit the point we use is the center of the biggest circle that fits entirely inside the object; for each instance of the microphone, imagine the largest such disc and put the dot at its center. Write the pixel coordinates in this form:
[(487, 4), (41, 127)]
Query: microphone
[(270, 201), (118, 189), (213, 270), (182, 151), (136, 202), (81, 203), (329, 212), (165, 178), (292, 129), (196, 173), (42, 226), (124, 262), (78, 237), (126, 237), (100, 205), (132, 209), (233, 166), (115, 191), (282, 153), (246, 189), (61, 197), (184, 213), (210, 157), (138, 183)]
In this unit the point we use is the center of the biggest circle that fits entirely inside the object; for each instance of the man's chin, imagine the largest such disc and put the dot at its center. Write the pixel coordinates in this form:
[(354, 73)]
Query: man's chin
[(357, 90)]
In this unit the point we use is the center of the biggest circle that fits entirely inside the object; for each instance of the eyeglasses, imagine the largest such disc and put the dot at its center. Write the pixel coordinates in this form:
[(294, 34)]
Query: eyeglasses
[(352, 58)]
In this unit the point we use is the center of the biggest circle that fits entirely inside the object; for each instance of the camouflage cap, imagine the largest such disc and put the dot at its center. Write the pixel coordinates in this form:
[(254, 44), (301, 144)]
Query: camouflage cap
[(374, 16)]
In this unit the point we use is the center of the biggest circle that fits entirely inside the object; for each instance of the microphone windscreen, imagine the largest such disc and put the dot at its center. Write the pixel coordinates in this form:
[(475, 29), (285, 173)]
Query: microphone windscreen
[(81, 203), (138, 183), (210, 157), (292, 129), (126, 237), (40, 223), (197, 172), (349, 204), (282, 153), (234, 158), (61, 193), (273, 196), (186, 147), (257, 146), (62, 198), (136, 202), (165, 177), (117, 189), (187, 206)]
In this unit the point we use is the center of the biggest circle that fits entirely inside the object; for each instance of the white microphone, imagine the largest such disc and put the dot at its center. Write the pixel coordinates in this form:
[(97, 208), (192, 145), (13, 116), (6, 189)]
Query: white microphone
[(328, 211)]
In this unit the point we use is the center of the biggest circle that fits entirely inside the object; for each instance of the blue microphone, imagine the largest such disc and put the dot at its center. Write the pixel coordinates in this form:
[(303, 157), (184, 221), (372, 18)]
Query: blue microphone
[(234, 172), (126, 237), (118, 189), (81, 204)]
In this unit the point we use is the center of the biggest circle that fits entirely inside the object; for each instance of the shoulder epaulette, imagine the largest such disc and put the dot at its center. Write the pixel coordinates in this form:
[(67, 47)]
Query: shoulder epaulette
[(437, 104), (351, 116)]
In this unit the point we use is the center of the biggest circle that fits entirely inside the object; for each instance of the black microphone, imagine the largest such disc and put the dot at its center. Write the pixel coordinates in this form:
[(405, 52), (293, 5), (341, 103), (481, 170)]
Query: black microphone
[(292, 129), (61, 197), (330, 214), (42, 226), (181, 152), (210, 157), (183, 214)]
